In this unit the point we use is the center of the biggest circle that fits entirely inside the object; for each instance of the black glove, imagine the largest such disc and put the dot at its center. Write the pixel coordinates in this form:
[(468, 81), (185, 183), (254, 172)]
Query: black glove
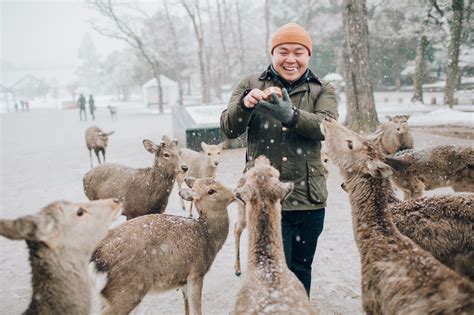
[(280, 109)]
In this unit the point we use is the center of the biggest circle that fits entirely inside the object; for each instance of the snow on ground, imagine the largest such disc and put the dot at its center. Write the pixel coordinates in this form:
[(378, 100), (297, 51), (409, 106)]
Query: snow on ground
[(44, 158)]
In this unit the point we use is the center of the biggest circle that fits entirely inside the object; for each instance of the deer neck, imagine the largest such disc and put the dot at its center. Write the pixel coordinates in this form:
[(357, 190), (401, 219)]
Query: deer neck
[(159, 173), (371, 219), (60, 280), (265, 238), (216, 227)]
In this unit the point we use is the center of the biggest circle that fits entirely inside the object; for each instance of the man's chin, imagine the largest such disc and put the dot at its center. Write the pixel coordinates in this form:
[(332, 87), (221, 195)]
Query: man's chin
[(290, 78)]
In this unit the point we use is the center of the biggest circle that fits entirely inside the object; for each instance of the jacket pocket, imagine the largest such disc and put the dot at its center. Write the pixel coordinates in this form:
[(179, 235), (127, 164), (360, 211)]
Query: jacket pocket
[(317, 190)]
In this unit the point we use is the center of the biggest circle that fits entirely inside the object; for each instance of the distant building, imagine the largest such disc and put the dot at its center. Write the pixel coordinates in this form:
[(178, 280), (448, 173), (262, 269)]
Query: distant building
[(170, 92)]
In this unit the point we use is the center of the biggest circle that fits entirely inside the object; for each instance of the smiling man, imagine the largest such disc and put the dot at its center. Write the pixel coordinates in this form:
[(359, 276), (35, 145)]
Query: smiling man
[(287, 131)]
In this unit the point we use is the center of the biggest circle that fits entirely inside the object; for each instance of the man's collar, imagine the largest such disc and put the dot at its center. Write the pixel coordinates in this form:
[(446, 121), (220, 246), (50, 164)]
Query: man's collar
[(269, 73)]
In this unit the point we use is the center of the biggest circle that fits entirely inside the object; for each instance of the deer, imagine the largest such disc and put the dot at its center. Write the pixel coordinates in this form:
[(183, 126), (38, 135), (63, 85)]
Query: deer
[(60, 239), (398, 276), (97, 140), (143, 191), (161, 252), (269, 286)]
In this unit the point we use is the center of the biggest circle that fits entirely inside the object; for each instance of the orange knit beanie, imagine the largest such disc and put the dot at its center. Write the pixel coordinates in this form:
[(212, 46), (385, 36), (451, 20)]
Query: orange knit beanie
[(292, 33)]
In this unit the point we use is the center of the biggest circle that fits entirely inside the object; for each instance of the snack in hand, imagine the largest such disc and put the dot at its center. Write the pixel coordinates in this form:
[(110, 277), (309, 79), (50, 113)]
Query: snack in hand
[(268, 93)]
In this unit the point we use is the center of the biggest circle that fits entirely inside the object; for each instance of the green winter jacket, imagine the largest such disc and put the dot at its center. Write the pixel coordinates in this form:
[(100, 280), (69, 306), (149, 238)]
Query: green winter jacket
[(293, 150)]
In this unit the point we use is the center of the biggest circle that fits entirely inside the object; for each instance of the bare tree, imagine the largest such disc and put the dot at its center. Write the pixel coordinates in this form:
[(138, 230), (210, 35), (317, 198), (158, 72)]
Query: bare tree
[(453, 51), (222, 38), (420, 64), (125, 32), (194, 14), (178, 65), (268, 6), (240, 40), (361, 113)]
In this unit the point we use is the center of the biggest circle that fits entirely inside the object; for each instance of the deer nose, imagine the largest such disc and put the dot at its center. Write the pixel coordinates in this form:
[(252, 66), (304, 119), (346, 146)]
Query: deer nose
[(184, 168), (216, 163), (398, 129)]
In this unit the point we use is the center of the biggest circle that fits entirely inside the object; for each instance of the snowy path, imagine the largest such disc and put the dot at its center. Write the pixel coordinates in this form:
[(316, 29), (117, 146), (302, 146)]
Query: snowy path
[(44, 157)]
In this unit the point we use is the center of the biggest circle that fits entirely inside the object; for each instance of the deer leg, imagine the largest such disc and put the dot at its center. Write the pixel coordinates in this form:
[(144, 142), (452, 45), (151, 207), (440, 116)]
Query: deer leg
[(184, 289), (103, 154), (97, 154), (239, 227), (179, 181), (190, 211), (195, 288), (122, 303), (90, 157)]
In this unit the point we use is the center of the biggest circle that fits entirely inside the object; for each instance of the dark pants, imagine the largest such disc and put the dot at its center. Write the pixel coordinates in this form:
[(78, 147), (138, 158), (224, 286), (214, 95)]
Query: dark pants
[(301, 230)]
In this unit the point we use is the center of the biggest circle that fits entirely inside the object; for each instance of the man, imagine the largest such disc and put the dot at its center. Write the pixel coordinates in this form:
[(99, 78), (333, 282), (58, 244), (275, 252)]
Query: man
[(287, 132), (92, 106), (81, 102)]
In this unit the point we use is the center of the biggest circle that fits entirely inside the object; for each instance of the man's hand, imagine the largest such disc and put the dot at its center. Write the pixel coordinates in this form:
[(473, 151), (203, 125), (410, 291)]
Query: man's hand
[(252, 99), (280, 109)]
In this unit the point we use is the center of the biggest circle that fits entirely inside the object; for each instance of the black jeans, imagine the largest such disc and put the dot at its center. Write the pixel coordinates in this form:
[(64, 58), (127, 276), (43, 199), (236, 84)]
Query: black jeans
[(301, 230)]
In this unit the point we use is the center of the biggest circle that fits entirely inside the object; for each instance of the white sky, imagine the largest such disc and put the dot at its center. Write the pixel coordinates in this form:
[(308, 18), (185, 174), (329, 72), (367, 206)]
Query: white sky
[(47, 34)]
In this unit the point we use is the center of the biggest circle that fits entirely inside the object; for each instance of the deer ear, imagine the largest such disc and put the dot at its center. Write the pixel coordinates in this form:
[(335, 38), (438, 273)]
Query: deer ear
[(243, 194), (203, 145), (150, 146), (379, 169), (262, 160), (222, 145), (187, 194), (30, 227), (284, 190), (110, 133), (388, 118), (396, 163), (190, 181)]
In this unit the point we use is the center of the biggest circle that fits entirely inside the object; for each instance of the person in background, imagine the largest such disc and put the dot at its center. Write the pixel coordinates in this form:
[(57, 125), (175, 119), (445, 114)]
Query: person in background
[(286, 130), (81, 102), (92, 106)]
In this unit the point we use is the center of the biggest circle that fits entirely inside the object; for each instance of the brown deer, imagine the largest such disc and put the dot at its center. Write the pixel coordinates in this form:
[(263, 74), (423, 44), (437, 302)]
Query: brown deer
[(417, 170), (97, 140), (393, 135), (200, 165), (144, 191), (269, 286), (160, 252), (60, 238), (398, 276)]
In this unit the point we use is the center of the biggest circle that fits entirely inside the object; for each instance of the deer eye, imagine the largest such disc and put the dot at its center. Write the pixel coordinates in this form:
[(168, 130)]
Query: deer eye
[(211, 192), (349, 144), (209, 154), (166, 155), (218, 153), (80, 212)]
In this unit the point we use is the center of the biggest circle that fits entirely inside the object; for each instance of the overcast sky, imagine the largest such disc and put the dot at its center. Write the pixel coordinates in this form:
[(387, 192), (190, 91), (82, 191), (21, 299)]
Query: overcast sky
[(47, 34)]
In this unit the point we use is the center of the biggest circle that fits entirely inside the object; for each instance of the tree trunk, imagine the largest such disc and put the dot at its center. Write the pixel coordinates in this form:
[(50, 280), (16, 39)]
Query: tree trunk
[(361, 114), (241, 41), (226, 71), (178, 67), (419, 73), (205, 87), (453, 52), (420, 63), (268, 5), (159, 88)]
